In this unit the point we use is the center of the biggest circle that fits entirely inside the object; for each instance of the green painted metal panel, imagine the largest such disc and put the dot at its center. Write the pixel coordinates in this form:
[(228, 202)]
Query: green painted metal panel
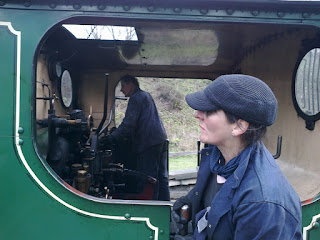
[(311, 219), (29, 210), (7, 80), (36, 206)]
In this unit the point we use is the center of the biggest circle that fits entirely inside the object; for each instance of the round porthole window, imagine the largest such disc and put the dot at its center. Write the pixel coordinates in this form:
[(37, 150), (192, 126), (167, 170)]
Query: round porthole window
[(66, 88), (307, 87)]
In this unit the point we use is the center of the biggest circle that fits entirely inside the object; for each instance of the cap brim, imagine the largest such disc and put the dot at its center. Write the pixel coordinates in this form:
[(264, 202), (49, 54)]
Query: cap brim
[(199, 101)]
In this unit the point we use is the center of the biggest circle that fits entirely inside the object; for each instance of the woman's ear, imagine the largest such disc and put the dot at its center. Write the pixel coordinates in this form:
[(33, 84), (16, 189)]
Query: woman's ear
[(240, 128)]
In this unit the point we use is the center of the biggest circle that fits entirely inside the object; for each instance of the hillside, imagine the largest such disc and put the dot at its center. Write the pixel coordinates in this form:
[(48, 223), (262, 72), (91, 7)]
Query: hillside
[(181, 126)]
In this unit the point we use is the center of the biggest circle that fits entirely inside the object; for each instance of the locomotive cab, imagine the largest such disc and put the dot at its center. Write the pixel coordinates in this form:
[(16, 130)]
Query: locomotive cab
[(76, 79), (75, 102), (76, 95)]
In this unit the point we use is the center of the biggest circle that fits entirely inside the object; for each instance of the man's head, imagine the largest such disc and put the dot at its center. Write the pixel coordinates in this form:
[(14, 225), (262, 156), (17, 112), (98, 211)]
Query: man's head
[(128, 85)]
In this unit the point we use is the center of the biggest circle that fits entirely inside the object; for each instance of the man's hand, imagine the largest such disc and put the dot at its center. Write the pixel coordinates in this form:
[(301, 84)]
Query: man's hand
[(177, 210), (179, 219)]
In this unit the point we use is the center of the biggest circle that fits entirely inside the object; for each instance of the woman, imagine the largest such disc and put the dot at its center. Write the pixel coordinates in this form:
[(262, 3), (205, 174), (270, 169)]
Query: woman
[(240, 192)]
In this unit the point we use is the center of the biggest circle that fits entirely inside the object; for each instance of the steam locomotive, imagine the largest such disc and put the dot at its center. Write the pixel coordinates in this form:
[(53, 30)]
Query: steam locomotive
[(60, 180)]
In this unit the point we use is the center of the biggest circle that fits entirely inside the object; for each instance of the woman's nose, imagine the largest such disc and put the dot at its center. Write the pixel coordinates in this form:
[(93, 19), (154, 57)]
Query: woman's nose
[(198, 114)]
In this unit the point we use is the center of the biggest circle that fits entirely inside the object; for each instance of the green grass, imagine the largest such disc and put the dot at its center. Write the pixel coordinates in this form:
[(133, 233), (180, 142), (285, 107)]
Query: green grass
[(181, 163)]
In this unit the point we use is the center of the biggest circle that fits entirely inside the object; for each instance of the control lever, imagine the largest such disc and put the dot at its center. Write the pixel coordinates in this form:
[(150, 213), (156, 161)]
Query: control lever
[(185, 213)]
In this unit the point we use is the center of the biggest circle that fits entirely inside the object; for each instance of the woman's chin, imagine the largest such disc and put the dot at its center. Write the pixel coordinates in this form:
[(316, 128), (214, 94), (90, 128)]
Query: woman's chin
[(203, 139)]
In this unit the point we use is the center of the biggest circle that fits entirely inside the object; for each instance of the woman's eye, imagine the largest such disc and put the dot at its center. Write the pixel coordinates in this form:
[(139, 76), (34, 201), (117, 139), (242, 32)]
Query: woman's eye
[(210, 112)]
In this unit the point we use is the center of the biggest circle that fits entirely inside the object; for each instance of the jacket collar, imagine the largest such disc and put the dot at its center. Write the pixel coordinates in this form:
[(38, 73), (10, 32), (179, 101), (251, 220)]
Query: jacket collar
[(238, 174), (236, 178), (137, 89), (222, 201)]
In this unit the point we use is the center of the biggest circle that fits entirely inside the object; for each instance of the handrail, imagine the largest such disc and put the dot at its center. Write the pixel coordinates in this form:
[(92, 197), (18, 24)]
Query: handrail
[(279, 143)]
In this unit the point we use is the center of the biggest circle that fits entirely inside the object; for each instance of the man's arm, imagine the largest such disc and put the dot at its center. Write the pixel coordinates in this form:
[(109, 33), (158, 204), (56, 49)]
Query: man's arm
[(129, 123)]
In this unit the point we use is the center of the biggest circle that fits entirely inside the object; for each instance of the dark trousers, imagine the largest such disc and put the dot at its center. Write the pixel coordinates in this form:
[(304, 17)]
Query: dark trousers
[(154, 162)]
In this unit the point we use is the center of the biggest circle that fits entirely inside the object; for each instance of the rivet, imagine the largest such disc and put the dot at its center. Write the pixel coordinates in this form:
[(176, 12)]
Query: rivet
[(281, 14), (255, 12), (2, 3), (306, 15), (207, 153), (196, 193), (230, 11), (161, 232), (52, 5), (101, 7), (210, 226), (77, 6), (151, 237), (126, 7), (20, 142), (20, 130), (204, 11), (151, 8), (177, 10), (127, 216), (27, 4)]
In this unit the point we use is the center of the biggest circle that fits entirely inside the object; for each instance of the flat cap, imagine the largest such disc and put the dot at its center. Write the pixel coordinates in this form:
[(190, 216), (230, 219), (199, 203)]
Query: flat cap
[(243, 96)]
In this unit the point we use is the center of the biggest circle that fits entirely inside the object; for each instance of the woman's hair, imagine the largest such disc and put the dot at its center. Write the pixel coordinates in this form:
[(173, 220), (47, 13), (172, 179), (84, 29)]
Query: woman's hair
[(254, 132)]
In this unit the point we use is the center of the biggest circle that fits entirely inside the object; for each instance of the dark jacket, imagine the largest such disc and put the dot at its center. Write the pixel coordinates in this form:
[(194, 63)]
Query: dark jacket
[(256, 201), (141, 123)]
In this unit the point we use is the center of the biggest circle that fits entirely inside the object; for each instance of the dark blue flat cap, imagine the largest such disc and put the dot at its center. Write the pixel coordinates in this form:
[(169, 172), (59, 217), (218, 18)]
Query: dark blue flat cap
[(243, 96)]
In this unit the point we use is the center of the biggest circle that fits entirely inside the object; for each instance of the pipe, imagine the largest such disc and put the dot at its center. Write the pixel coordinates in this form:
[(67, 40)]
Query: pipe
[(278, 153), (105, 110), (96, 166), (198, 154), (111, 113)]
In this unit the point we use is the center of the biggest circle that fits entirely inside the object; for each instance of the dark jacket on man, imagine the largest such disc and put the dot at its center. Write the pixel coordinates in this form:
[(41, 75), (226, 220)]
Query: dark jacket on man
[(141, 123)]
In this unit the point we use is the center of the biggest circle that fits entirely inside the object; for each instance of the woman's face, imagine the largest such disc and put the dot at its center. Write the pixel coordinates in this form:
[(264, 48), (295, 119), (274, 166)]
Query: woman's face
[(215, 128)]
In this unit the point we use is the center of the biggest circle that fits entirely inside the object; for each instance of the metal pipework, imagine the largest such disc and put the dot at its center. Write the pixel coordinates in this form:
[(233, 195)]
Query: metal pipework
[(105, 109), (278, 153), (199, 152), (111, 112)]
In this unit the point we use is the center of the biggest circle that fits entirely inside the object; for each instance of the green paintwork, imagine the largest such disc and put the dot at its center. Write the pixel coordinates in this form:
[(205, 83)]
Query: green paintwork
[(26, 210), (26, 205)]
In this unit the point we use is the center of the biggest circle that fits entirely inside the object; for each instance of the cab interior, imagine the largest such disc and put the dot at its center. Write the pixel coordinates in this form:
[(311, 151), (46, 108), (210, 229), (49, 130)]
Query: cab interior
[(75, 92)]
